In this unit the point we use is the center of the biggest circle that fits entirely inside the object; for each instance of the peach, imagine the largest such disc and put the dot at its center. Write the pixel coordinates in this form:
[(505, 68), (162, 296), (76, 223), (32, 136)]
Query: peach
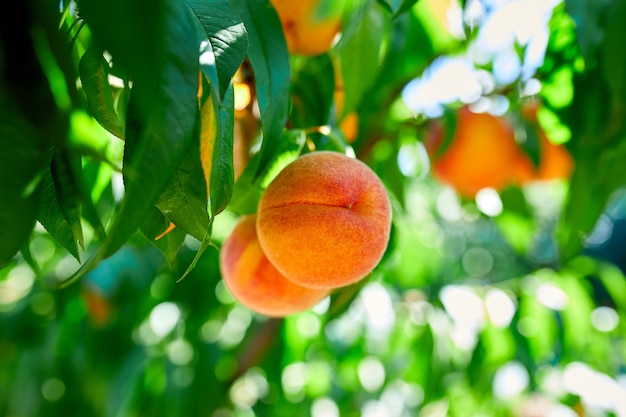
[(324, 221), (482, 153), (305, 32), (254, 281)]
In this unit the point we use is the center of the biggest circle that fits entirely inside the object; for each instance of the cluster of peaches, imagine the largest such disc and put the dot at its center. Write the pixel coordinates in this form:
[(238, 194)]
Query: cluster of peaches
[(322, 223)]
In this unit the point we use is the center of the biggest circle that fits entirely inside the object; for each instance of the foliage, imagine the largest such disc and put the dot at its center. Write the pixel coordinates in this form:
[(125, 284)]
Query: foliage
[(128, 155)]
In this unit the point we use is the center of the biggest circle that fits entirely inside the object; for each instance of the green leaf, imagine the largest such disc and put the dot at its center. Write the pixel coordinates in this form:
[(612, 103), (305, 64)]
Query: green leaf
[(599, 151), (21, 163), (209, 69), (161, 118), (587, 14), (206, 242), (133, 33), (227, 35), (342, 298), (169, 243), (530, 132), (94, 72), (359, 52), (63, 169), (52, 219), (447, 126), (60, 206), (613, 52), (184, 201), (30, 122), (270, 62), (222, 177), (312, 91), (247, 190), (402, 6)]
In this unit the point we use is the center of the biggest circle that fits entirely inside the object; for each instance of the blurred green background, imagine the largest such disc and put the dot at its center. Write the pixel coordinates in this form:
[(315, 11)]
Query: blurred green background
[(510, 304)]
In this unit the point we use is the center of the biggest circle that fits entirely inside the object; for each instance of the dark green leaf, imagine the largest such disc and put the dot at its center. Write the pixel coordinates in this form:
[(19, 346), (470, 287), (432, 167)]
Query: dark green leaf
[(21, 163), (270, 62), (599, 152), (52, 219), (184, 201), (63, 169), (161, 119), (222, 169), (227, 35), (161, 133), (613, 51), (169, 243), (403, 6), (94, 72), (591, 189), (448, 126), (587, 14), (206, 242), (312, 91), (133, 33), (530, 144), (30, 122), (60, 206)]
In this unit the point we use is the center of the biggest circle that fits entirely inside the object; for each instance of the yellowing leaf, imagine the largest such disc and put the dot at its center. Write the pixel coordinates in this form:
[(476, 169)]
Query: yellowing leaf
[(208, 134)]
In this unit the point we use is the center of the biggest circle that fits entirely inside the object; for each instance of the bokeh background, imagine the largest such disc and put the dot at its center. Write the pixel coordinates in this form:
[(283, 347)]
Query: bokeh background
[(480, 306)]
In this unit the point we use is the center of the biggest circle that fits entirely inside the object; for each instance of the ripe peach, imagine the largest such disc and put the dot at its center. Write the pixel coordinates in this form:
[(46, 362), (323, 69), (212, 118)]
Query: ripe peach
[(305, 32), (482, 153), (324, 221), (254, 281)]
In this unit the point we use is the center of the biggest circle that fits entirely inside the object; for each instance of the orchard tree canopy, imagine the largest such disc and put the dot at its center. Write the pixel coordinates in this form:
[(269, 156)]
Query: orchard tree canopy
[(457, 249)]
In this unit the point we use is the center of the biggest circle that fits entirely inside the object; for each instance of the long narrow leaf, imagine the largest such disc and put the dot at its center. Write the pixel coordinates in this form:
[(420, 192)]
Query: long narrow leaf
[(94, 73), (60, 206), (359, 52), (222, 179), (184, 201), (21, 161), (270, 62)]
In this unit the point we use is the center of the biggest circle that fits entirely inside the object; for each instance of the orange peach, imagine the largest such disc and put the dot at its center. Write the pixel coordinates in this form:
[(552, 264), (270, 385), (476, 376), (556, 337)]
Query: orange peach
[(482, 153), (254, 281), (306, 33), (324, 221)]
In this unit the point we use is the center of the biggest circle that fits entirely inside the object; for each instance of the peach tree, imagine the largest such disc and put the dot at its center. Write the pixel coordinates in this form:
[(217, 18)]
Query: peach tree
[(135, 134)]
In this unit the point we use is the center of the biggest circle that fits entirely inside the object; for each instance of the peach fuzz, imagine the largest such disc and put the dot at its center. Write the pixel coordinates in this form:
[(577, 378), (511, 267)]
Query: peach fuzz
[(254, 281), (324, 221)]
